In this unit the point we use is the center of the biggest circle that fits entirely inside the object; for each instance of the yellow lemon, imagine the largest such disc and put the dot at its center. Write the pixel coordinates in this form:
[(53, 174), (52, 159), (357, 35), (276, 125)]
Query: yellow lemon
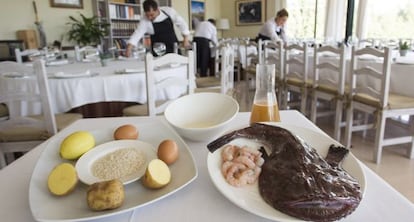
[(76, 144)]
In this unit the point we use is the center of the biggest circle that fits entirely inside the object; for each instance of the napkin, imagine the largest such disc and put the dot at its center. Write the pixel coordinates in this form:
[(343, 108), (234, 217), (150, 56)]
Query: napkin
[(130, 71), (73, 75)]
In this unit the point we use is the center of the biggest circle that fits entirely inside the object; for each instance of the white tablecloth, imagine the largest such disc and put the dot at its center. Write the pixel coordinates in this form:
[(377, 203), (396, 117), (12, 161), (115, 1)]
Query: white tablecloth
[(68, 93), (200, 200)]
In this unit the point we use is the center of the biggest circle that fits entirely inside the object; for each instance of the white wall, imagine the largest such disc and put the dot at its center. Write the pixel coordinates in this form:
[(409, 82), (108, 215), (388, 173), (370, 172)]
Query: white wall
[(19, 15)]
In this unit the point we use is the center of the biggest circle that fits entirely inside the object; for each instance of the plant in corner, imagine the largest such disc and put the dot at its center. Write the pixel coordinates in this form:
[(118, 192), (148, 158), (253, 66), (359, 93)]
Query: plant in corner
[(87, 31), (403, 48)]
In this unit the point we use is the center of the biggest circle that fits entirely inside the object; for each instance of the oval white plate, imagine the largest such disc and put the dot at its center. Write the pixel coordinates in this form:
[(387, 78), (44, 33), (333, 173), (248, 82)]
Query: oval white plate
[(84, 164), (248, 197)]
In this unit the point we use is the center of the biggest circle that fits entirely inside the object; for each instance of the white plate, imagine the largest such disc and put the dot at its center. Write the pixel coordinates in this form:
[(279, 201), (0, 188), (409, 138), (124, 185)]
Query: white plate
[(248, 197), (73, 207), (84, 164)]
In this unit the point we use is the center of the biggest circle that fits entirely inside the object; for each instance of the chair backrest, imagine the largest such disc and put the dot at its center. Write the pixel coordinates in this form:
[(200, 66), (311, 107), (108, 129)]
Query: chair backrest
[(171, 58), (379, 74), (28, 52), (227, 69), (329, 67), (86, 52), (296, 54), (273, 54), (13, 99), (252, 57)]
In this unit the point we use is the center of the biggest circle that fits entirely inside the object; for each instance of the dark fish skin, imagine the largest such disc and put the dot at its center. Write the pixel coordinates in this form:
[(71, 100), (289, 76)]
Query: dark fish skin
[(296, 180)]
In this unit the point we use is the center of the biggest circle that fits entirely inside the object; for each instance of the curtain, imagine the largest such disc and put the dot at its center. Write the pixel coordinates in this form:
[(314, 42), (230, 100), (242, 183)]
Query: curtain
[(335, 20)]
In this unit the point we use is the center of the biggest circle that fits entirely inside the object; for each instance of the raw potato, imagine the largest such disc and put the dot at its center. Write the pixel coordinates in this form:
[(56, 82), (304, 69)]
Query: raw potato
[(62, 179), (76, 144), (106, 195), (157, 174)]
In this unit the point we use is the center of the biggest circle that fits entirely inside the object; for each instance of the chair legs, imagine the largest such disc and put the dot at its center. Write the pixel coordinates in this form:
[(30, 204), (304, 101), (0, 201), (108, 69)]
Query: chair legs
[(348, 126), (379, 138), (338, 120)]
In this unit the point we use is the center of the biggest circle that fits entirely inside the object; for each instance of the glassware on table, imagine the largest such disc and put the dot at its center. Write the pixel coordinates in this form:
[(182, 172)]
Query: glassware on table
[(147, 42), (265, 107), (159, 48)]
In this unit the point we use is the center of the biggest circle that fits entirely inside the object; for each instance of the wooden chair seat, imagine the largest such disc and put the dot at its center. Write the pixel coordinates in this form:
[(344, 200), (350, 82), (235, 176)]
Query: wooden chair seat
[(204, 82), (395, 101), (26, 133), (140, 110)]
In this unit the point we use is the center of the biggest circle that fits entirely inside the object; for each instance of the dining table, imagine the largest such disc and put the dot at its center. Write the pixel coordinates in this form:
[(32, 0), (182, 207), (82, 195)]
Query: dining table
[(199, 200), (74, 84)]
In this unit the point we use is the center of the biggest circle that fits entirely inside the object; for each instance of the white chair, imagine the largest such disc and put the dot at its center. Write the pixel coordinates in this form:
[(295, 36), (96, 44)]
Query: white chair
[(86, 52), (251, 59), (28, 52), (224, 83), (273, 54), (154, 106), (376, 100), (296, 81), (329, 71), (21, 133)]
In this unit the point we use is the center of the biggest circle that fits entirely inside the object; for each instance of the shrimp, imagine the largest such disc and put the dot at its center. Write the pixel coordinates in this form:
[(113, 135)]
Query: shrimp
[(228, 153), (250, 175), (233, 175), (246, 161), (225, 167)]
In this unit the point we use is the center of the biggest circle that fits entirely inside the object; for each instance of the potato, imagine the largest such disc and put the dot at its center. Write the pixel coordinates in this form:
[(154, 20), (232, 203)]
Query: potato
[(157, 174), (76, 144), (105, 195), (62, 179)]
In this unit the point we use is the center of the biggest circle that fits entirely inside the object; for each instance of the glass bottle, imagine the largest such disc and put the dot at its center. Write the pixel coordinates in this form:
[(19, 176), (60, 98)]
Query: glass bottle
[(265, 107), (147, 43)]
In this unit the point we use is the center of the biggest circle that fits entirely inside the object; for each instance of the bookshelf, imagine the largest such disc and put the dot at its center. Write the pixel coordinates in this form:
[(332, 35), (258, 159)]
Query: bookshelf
[(123, 16)]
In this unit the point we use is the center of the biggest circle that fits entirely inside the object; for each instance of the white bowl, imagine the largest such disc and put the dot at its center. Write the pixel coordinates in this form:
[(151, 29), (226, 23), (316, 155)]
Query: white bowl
[(201, 116)]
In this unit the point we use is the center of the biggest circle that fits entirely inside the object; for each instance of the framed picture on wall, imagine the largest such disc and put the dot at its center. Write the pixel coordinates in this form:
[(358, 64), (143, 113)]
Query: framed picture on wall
[(197, 12), (66, 3), (250, 12)]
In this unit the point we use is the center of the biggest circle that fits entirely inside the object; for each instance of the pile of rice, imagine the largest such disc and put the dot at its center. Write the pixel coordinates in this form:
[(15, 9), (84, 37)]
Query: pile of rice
[(118, 164)]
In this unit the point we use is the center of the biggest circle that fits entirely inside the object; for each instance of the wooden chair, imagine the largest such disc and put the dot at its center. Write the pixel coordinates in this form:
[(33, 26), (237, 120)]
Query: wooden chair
[(21, 133), (225, 82), (251, 59), (273, 54), (28, 52), (376, 101), (154, 106), (329, 84), (296, 81)]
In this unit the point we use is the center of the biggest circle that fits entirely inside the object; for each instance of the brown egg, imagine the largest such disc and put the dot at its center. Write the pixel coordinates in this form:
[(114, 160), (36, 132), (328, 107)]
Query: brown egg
[(126, 132), (168, 151)]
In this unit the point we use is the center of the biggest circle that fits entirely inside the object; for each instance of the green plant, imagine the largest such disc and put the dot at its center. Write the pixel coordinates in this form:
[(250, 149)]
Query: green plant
[(87, 30), (404, 45)]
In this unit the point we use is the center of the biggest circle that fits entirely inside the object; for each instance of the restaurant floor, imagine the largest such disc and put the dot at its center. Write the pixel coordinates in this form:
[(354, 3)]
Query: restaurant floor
[(395, 167)]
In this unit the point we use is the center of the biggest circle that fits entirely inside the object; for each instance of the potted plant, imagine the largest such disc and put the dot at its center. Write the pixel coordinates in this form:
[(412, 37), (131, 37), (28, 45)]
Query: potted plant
[(87, 31), (403, 48)]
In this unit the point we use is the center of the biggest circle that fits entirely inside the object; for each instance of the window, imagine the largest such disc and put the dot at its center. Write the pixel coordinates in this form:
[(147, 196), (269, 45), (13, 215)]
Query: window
[(390, 20), (302, 13)]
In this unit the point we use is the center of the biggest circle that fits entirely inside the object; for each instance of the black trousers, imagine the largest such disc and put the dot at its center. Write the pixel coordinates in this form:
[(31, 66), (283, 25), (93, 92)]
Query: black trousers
[(203, 54)]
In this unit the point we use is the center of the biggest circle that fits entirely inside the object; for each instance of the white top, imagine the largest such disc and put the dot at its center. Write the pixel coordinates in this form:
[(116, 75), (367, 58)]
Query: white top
[(269, 29), (206, 29), (145, 25), (200, 200)]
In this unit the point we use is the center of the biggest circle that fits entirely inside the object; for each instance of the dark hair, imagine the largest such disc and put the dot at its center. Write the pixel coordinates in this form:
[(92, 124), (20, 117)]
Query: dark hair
[(212, 21), (282, 13), (150, 4)]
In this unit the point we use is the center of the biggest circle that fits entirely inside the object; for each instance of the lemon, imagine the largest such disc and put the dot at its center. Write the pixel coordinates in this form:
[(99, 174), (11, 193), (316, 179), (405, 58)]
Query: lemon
[(76, 144)]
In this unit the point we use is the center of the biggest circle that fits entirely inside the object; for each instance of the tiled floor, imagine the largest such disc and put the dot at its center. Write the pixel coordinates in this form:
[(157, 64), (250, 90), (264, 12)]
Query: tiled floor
[(395, 167)]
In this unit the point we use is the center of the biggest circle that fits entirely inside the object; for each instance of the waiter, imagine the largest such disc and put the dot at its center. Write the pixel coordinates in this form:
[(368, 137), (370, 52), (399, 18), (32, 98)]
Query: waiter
[(159, 22), (205, 33), (274, 28)]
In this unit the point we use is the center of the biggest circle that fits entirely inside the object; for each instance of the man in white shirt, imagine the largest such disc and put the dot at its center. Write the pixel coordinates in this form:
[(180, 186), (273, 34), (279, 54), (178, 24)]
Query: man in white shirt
[(159, 23), (205, 33), (274, 28)]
